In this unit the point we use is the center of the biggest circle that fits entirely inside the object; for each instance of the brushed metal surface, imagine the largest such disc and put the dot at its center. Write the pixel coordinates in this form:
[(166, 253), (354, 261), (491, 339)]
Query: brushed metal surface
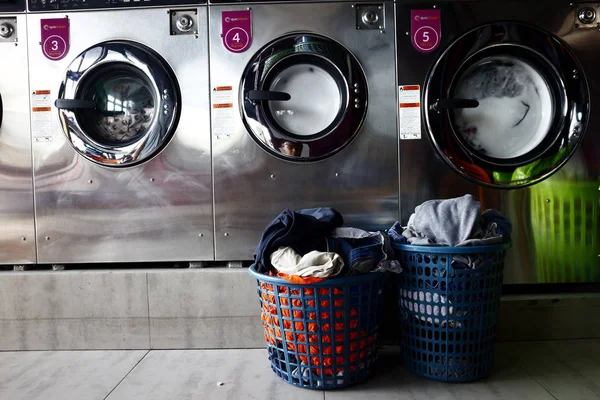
[(17, 230), (569, 199), (361, 181), (160, 210)]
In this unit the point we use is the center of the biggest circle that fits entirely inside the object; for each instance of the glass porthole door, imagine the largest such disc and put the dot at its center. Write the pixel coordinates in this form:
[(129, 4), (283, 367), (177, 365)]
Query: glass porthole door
[(304, 97), (119, 103), (506, 105)]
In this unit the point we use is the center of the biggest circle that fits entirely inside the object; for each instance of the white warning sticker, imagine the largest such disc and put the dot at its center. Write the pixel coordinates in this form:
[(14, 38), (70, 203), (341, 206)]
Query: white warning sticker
[(41, 116), (222, 113), (410, 111)]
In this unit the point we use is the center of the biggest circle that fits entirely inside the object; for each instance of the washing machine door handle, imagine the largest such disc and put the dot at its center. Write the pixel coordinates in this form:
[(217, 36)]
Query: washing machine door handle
[(72, 104), (1, 110), (453, 104), (267, 95)]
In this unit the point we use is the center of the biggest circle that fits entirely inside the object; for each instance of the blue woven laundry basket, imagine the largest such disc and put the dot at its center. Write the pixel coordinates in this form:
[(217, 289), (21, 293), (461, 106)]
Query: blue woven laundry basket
[(323, 335), (448, 301)]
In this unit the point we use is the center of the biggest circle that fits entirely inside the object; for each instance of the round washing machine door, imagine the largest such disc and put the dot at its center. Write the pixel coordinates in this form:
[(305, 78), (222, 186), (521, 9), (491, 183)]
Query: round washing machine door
[(303, 97), (119, 103), (506, 105)]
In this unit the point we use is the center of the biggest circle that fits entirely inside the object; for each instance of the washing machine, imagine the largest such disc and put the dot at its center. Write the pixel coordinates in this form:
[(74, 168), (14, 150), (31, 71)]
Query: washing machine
[(121, 137), (301, 115), (17, 230), (498, 99)]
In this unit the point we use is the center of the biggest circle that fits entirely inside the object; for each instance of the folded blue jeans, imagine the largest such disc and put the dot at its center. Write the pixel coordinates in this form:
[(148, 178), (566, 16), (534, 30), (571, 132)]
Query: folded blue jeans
[(361, 250)]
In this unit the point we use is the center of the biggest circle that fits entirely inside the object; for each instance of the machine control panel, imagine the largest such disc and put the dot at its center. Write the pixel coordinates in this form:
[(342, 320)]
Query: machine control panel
[(52, 5), (10, 6)]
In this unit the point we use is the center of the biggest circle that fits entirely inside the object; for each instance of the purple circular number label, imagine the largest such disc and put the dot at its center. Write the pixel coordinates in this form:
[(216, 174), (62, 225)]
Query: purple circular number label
[(236, 40), (426, 38), (55, 47)]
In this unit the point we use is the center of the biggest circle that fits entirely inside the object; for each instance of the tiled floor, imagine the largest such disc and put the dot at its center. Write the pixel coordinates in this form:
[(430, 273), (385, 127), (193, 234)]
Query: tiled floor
[(526, 370)]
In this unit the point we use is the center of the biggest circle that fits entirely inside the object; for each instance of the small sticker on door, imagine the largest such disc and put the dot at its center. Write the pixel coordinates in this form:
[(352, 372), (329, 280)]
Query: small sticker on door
[(426, 30), (410, 111), (222, 113), (41, 116), (55, 38), (237, 30)]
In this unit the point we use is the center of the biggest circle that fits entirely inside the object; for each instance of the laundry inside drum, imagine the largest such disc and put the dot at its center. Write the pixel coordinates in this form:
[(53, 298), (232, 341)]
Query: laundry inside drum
[(515, 109), (125, 108), (315, 99)]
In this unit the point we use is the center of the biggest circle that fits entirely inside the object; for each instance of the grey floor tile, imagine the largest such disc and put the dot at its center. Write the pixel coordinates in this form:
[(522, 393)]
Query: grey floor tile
[(69, 375), (391, 381), (567, 369), (194, 374)]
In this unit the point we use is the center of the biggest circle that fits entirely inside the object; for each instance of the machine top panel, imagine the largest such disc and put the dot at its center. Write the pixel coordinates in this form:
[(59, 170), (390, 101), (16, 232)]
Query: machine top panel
[(291, 1), (55, 5), (10, 6)]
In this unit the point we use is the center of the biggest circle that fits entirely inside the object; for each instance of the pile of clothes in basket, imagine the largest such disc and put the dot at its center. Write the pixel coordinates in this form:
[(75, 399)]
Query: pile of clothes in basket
[(316, 334), (305, 326), (309, 246), (454, 222)]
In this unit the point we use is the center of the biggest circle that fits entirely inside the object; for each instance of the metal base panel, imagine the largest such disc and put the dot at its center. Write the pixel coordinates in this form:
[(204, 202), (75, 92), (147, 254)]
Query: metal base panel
[(158, 210)]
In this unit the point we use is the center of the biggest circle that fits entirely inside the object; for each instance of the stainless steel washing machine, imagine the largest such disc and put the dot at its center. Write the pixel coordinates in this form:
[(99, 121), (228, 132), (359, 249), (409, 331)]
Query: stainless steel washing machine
[(301, 115), (122, 144), (509, 93), (17, 230)]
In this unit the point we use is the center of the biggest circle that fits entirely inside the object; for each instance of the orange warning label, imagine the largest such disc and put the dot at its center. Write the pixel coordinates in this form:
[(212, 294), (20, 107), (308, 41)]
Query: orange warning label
[(222, 88), (224, 105), (41, 109), (42, 92), (411, 87), (407, 105)]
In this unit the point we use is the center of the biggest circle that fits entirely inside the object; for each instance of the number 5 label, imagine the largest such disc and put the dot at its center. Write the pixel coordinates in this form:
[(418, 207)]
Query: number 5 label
[(426, 30)]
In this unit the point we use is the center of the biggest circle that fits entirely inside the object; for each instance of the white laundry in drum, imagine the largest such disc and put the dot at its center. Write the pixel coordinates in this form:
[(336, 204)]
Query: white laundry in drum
[(315, 99), (515, 107)]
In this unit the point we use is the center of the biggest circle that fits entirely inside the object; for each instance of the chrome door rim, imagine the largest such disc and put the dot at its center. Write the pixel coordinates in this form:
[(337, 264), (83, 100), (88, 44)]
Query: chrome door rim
[(166, 95), (568, 134), (353, 104)]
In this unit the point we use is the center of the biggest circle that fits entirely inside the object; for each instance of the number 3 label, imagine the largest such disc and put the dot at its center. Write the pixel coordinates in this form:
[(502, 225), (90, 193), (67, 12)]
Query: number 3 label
[(54, 38), (55, 47)]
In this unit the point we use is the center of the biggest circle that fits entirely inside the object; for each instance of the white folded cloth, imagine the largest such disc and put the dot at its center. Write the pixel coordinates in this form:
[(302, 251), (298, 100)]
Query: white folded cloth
[(314, 264)]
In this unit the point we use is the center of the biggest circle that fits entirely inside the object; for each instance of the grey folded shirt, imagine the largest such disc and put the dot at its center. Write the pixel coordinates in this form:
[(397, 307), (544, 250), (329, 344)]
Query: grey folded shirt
[(444, 222)]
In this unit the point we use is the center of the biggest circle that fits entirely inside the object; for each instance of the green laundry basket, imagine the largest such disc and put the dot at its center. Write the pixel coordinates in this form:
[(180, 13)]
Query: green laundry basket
[(564, 218)]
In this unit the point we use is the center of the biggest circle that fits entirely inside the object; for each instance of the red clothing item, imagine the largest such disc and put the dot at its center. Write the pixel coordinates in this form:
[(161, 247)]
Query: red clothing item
[(298, 328)]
